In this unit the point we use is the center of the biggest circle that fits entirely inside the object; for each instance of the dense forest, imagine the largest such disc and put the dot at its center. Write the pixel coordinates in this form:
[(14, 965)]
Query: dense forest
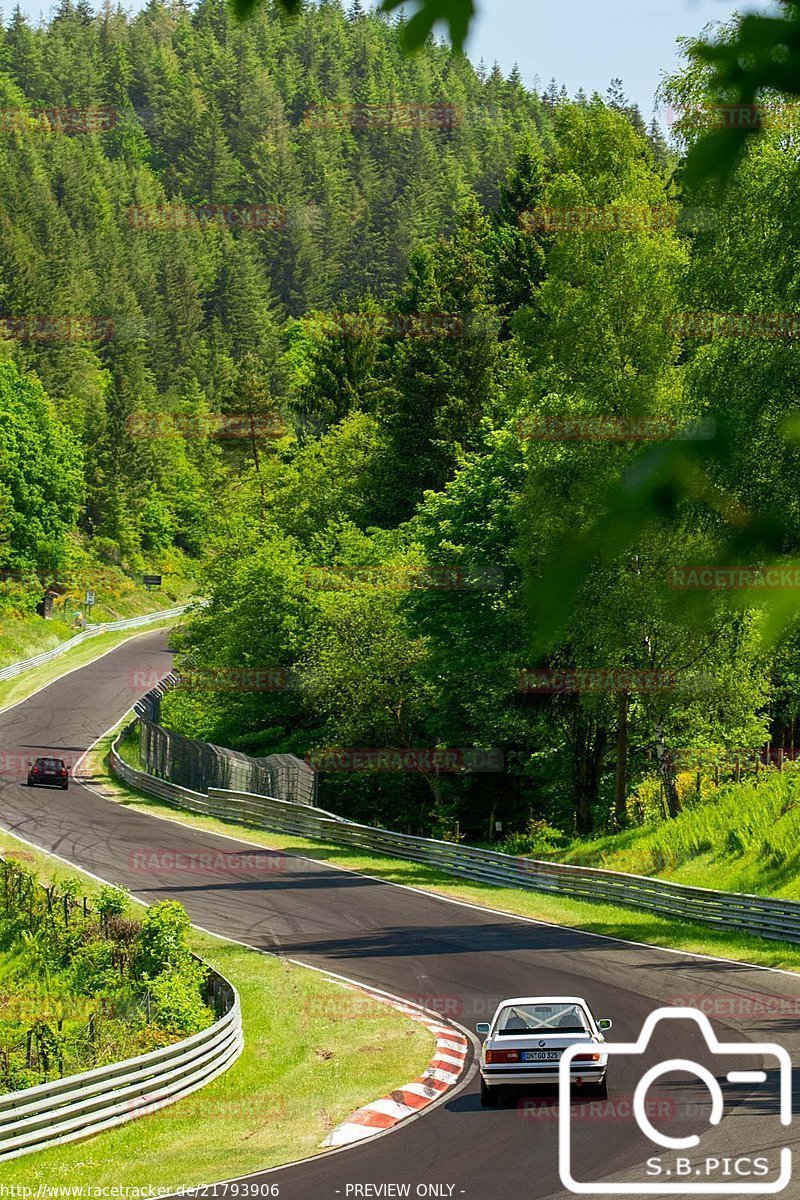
[(377, 416)]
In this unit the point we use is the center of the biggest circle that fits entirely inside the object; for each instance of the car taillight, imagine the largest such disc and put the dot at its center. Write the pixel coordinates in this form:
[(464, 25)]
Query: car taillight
[(63, 771), (586, 1058), (502, 1056)]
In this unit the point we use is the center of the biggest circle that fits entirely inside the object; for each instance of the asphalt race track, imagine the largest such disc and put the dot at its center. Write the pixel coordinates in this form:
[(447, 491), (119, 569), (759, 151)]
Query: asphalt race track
[(453, 958)]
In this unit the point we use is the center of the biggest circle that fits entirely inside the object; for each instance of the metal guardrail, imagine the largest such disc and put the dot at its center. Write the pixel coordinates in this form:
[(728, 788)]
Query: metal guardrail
[(758, 915), (76, 1106), (194, 764), (91, 631), (256, 808)]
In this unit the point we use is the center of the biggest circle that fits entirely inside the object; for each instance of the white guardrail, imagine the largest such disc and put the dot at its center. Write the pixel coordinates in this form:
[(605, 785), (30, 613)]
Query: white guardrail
[(76, 1106), (757, 915), (91, 631), (79, 1105)]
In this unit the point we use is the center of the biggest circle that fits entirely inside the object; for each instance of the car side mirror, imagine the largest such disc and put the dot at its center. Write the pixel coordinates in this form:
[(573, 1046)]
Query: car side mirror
[(482, 1027), (604, 1024)]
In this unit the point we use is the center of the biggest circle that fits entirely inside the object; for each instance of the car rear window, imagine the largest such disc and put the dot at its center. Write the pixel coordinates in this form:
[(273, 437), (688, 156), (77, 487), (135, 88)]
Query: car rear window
[(542, 1018), (49, 762)]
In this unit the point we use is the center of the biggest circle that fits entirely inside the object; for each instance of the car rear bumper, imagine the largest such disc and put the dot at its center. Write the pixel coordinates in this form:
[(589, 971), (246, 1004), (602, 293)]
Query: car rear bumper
[(501, 1077)]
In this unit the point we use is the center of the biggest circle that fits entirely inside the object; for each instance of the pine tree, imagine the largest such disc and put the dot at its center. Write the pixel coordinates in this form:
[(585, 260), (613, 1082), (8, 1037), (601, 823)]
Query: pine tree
[(518, 246), (441, 384), (635, 117), (208, 172), (24, 55), (496, 76), (615, 95), (658, 142), (550, 97), (65, 11)]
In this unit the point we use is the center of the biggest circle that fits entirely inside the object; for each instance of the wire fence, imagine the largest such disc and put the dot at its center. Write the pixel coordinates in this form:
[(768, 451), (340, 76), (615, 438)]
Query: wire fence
[(76, 1106), (50, 1095), (199, 765), (50, 1049), (45, 1036), (761, 916)]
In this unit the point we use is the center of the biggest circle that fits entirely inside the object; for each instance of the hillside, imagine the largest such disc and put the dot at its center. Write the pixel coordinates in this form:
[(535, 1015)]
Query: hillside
[(381, 344)]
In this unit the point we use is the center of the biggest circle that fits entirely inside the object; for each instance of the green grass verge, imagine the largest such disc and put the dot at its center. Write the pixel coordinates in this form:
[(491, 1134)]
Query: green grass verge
[(313, 1054), (630, 924), (119, 595), (23, 636), (24, 685), (743, 837)]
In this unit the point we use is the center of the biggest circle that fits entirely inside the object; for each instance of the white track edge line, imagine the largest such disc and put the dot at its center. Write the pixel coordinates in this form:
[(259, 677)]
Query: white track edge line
[(405, 887), (408, 887), (72, 670)]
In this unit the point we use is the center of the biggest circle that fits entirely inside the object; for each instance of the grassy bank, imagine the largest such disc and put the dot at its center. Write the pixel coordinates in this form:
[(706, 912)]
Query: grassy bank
[(19, 688), (595, 918), (313, 1053), (118, 596), (743, 838)]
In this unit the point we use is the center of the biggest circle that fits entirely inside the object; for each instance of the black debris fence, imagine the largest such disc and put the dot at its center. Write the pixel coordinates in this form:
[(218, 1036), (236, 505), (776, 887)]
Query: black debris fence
[(759, 916), (199, 765)]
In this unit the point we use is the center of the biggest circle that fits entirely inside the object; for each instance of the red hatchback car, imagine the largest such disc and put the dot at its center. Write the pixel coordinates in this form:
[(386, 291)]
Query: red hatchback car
[(51, 772)]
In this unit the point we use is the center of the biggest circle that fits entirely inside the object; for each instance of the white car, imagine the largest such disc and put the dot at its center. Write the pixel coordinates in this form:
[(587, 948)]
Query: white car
[(526, 1036)]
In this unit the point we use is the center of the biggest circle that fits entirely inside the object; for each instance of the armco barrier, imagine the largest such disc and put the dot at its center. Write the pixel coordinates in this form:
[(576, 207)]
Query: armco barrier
[(759, 915), (196, 765), (91, 631), (251, 809), (79, 1105)]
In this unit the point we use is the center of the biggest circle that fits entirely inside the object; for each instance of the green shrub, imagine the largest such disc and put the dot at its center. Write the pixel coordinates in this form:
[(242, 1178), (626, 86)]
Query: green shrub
[(151, 1037), (162, 941), (176, 1001), (61, 968), (646, 803), (540, 838), (694, 787), (106, 550), (111, 901), (93, 970), (14, 1076)]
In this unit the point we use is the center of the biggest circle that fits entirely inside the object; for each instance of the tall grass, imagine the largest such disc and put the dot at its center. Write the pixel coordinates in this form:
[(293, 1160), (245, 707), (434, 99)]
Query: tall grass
[(746, 837)]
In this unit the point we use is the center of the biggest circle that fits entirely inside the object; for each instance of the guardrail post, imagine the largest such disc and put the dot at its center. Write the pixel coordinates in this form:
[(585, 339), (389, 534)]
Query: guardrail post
[(761, 915)]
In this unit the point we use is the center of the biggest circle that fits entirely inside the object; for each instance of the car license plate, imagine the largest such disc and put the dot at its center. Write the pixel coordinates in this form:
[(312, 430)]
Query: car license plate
[(541, 1055)]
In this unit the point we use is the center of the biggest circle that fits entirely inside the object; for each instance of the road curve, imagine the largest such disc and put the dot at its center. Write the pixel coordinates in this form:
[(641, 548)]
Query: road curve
[(452, 957)]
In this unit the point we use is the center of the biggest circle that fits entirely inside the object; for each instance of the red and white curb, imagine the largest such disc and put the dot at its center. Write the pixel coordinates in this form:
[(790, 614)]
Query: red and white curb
[(442, 1072)]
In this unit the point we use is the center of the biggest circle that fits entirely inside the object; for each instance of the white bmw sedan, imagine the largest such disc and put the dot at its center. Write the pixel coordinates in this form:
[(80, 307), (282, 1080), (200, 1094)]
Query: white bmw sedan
[(525, 1039)]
